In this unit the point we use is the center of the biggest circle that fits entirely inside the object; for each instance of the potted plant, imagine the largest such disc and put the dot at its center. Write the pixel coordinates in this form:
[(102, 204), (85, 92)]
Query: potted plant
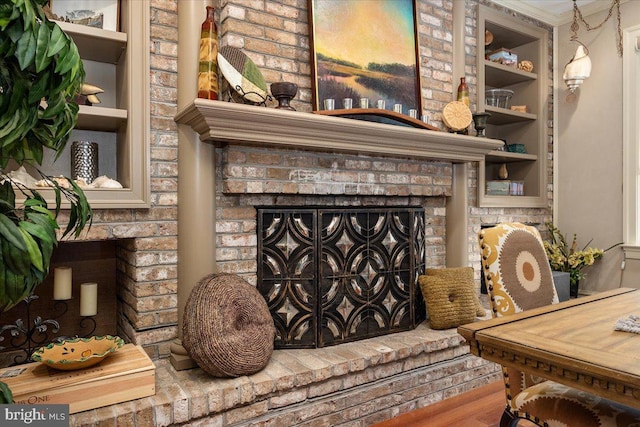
[(40, 74), (563, 257)]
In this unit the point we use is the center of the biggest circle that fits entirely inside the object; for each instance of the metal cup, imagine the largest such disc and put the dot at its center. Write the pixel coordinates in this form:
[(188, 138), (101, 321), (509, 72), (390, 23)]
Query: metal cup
[(329, 104), (347, 103), (84, 160)]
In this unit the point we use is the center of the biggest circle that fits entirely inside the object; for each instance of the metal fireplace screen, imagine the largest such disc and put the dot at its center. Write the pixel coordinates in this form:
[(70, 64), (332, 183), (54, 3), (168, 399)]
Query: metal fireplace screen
[(336, 275)]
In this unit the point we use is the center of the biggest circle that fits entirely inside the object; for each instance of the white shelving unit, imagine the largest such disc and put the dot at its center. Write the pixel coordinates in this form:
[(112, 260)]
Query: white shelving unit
[(528, 128), (118, 62)]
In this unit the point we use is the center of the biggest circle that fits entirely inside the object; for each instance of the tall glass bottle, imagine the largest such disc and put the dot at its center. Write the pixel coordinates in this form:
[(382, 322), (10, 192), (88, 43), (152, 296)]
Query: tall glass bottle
[(463, 91), (208, 58)]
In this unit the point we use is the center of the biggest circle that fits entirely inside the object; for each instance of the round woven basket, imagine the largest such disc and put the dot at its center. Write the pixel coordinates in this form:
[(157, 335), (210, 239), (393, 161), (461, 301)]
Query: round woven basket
[(227, 328)]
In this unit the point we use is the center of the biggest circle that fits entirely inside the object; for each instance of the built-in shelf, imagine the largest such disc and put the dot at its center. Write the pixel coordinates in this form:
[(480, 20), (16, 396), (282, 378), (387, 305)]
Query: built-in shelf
[(101, 118), (117, 62), (503, 116), (231, 123), (530, 89), (503, 75), (96, 44), (509, 157)]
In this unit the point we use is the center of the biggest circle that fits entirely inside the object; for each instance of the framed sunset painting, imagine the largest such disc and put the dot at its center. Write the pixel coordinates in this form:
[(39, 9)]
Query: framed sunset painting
[(365, 49)]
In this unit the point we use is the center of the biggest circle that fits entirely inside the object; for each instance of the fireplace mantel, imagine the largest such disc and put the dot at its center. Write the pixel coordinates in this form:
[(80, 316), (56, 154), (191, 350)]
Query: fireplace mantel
[(222, 123)]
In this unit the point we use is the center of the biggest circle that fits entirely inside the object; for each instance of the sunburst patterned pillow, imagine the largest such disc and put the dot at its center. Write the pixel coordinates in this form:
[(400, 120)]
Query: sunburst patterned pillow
[(516, 268)]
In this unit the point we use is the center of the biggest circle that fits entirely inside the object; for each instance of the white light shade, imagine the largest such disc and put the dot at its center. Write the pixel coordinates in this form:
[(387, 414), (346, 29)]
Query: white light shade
[(578, 69)]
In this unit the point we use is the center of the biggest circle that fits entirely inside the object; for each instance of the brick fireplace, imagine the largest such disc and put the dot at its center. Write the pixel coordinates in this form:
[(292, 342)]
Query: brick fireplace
[(268, 158)]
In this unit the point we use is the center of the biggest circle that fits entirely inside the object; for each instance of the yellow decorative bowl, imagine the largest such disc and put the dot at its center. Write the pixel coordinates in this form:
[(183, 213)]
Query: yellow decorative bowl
[(77, 353)]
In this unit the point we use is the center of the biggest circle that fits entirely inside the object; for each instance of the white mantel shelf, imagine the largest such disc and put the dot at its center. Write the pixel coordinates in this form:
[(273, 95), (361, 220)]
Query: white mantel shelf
[(222, 123)]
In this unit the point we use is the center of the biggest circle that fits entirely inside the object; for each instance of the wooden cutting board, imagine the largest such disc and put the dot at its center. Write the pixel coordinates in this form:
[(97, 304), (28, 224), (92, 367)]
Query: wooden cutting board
[(125, 375)]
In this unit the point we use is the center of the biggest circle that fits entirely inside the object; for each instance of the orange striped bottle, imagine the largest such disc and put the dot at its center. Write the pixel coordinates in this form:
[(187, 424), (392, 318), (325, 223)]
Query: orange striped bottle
[(208, 58)]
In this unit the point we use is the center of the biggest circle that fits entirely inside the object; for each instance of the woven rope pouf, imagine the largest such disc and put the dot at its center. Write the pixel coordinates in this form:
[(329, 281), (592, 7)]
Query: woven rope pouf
[(227, 328)]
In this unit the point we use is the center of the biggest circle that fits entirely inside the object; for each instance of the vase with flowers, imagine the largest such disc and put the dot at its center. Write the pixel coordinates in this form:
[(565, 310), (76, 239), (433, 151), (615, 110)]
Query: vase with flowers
[(568, 258)]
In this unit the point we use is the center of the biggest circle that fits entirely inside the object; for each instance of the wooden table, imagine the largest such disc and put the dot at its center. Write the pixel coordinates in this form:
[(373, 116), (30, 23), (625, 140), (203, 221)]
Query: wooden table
[(573, 343)]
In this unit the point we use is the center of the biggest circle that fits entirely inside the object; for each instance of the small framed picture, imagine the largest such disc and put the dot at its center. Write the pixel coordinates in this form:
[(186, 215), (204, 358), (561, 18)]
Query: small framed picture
[(92, 13)]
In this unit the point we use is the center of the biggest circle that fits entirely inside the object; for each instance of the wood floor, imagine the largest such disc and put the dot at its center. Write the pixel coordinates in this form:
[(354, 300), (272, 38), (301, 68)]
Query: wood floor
[(481, 407)]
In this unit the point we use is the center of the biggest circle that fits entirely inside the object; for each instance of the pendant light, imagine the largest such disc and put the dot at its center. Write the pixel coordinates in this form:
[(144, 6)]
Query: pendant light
[(579, 67)]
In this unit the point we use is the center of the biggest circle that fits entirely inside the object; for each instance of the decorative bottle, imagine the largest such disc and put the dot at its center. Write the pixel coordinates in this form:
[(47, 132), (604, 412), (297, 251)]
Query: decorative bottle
[(208, 58), (463, 91)]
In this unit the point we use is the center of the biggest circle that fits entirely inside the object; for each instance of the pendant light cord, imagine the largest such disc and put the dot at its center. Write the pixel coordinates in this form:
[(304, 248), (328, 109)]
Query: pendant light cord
[(578, 15)]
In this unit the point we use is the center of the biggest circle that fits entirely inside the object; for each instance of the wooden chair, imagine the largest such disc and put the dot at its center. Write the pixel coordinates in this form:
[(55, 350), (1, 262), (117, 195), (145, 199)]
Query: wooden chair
[(519, 278)]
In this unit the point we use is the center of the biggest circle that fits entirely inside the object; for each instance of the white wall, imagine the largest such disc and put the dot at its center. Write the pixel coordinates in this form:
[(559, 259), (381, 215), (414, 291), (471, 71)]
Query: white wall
[(589, 150)]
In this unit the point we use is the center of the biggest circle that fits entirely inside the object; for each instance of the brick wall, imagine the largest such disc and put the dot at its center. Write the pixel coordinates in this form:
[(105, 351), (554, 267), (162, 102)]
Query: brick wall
[(248, 176), (275, 35)]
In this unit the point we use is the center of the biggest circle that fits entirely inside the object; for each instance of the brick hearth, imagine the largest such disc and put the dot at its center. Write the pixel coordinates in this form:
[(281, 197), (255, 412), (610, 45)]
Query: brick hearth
[(352, 384)]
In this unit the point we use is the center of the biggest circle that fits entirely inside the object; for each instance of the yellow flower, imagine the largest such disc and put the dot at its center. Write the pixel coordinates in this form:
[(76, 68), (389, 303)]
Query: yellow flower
[(565, 257)]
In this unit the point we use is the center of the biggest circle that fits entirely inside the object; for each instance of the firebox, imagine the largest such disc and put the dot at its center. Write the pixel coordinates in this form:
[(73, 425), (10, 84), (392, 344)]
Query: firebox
[(333, 275)]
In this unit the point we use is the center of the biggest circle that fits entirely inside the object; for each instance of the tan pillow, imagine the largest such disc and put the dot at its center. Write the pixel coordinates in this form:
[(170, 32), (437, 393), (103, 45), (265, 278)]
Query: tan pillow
[(449, 302), (463, 274)]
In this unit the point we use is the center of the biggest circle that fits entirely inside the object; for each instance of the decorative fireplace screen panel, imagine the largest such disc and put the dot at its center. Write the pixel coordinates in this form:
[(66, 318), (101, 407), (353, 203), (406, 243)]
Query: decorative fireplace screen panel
[(340, 274)]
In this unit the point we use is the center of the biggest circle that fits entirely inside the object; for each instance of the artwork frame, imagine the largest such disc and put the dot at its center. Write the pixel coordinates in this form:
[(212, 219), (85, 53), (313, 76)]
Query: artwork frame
[(345, 34), (106, 13)]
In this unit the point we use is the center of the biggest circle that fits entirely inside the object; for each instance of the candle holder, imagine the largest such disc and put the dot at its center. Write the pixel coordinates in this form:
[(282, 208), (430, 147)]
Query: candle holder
[(26, 336), (480, 123), (284, 93)]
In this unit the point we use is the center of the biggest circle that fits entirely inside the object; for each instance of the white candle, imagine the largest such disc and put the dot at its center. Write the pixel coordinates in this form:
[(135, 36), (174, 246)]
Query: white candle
[(88, 299), (62, 283)]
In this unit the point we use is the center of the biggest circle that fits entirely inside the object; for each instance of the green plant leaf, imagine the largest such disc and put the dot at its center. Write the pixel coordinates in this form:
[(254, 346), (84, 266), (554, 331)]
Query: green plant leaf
[(81, 211), (26, 50), (14, 285), (57, 41), (3, 290), (9, 128), (16, 260), (42, 46), (29, 15), (45, 240), (56, 103), (39, 88), (14, 31), (37, 231), (6, 397), (7, 14), (10, 232), (35, 256), (46, 222), (68, 60), (7, 194)]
